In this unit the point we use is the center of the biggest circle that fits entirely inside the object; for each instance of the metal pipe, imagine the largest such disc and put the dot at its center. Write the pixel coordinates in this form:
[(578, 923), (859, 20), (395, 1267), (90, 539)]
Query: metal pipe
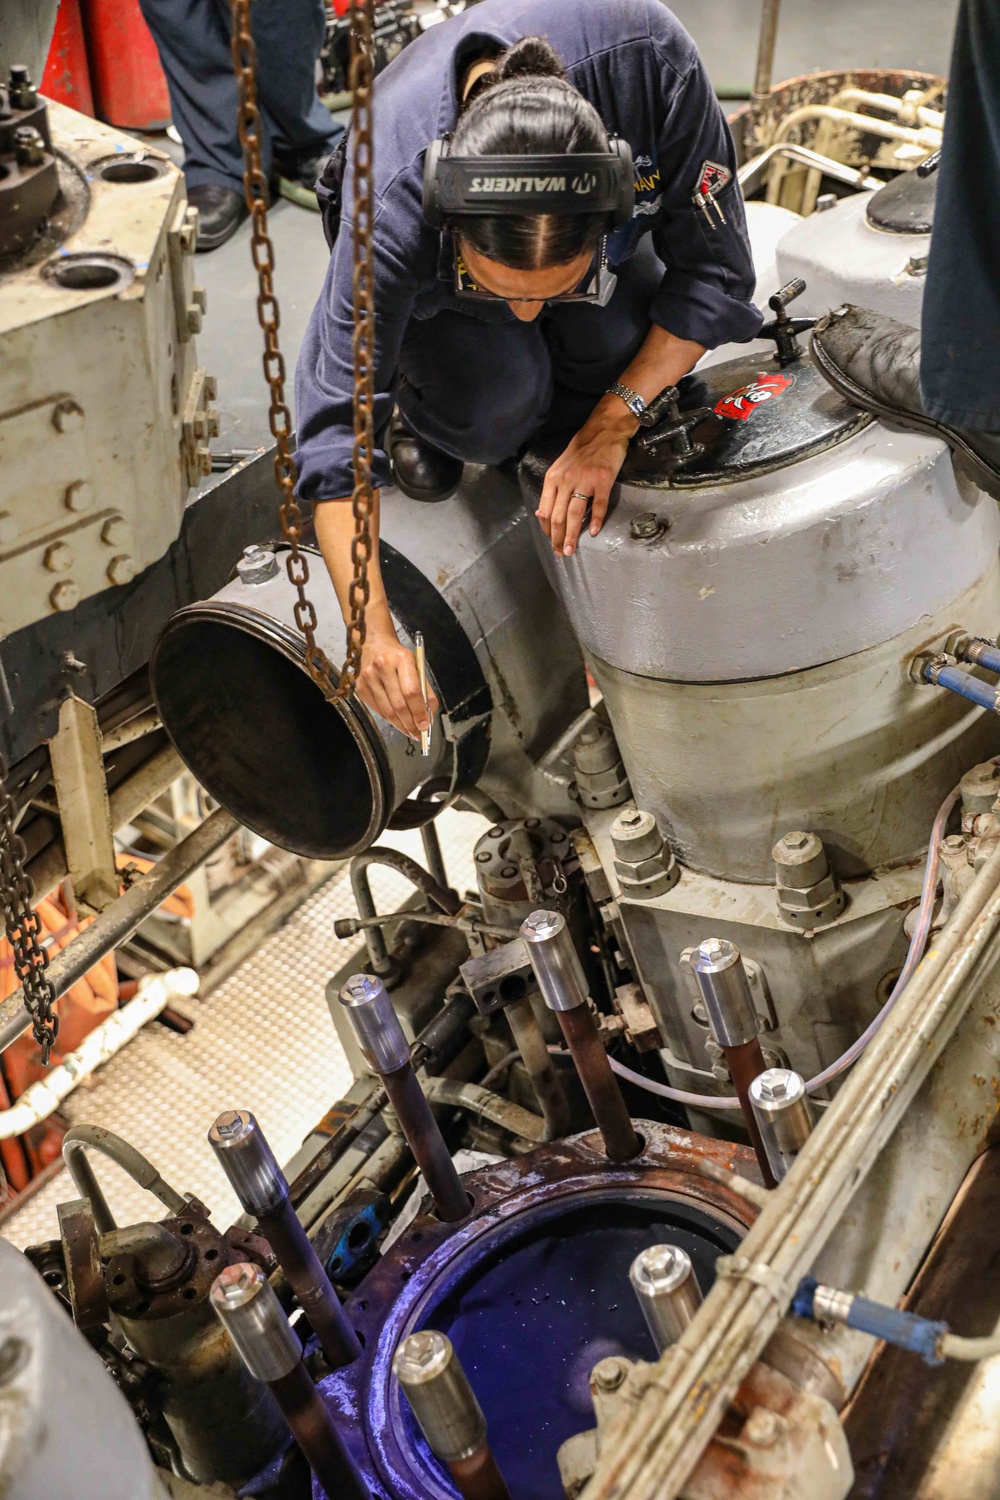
[(261, 1186), (784, 1116), (448, 1414), (387, 1052), (561, 979), (119, 920), (652, 1449), (432, 854), (545, 1080), (663, 1279), (927, 136), (725, 991), (348, 927), (752, 174), (251, 1314), (446, 900), (919, 112), (133, 729), (40, 1099), (489, 1106), (765, 48)]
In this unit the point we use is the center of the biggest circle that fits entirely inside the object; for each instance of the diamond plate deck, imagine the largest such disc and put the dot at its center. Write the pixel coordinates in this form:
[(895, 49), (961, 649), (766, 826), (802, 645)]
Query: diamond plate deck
[(263, 1040)]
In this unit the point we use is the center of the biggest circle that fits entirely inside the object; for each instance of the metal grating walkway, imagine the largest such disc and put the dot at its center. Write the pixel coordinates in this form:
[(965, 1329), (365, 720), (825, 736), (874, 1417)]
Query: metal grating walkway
[(263, 1040)]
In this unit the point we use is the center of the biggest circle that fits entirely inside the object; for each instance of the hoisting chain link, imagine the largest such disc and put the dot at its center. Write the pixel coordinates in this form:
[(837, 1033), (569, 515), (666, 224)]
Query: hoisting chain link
[(256, 191), (22, 925)]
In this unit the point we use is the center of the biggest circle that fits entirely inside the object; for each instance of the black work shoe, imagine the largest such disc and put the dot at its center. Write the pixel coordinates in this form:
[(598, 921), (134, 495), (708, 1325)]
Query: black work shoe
[(420, 471), (875, 362), (221, 211)]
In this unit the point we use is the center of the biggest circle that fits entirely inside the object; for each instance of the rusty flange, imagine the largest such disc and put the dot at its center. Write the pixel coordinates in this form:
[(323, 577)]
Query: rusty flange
[(423, 1277)]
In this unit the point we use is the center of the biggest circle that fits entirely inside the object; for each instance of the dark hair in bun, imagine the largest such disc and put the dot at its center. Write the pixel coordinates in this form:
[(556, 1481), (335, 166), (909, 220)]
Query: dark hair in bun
[(527, 107)]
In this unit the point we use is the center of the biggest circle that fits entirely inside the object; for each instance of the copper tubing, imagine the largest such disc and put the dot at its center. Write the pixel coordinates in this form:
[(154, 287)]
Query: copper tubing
[(313, 1429), (745, 1063), (477, 1477), (599, 1083), (424, 1138), (315, 1295)]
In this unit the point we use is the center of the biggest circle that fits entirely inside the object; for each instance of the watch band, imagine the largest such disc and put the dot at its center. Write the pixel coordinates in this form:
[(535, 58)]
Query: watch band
[(632, 399)]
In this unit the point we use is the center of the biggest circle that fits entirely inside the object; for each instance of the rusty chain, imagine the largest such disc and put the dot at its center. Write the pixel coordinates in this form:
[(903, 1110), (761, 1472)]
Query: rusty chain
[(22, 925), (256, 191)]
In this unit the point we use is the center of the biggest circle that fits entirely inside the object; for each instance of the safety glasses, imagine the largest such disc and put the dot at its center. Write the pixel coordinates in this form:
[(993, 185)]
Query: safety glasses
[(596, 285)]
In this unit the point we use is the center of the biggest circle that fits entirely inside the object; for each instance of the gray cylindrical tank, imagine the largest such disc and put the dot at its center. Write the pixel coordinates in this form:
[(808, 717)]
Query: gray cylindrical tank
[(752, 646), (230, 682)]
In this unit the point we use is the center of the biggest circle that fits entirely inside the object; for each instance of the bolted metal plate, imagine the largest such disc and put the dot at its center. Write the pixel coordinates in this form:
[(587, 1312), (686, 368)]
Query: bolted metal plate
[(763, 418)]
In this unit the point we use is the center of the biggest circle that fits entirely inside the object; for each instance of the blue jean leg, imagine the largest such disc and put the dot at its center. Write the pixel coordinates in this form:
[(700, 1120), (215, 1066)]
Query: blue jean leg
[(193, 40)]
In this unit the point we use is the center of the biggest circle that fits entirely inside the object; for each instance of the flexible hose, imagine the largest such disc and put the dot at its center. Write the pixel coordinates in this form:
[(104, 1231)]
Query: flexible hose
[(915, 953), (74, 1147)]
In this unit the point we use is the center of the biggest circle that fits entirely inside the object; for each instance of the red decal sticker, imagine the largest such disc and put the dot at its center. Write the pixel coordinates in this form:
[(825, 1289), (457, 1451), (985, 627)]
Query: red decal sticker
[(714, 177), (742, 403)]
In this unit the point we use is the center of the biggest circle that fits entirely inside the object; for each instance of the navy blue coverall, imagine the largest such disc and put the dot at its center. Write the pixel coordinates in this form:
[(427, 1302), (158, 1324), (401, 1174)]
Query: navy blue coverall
[(193, 40), (470, 377)]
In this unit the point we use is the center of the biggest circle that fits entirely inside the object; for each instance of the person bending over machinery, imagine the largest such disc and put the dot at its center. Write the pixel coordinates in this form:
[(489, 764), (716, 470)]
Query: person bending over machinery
[(558, 238)]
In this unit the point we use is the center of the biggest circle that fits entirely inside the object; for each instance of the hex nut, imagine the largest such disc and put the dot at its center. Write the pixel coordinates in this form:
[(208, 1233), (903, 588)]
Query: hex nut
[(116, 532), (646, 527), (595, 750), (65, 595), (980, 787), (813, 907), (635, 835), (763, 1428), (58, 557), (67, 416), (121, 569), (799, 860), (257, 564), (79, 495)]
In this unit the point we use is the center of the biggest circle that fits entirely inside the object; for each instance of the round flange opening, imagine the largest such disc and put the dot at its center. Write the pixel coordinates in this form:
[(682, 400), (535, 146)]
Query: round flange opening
[(255, 730), (531, 1314), (130, 169), (90, 273)]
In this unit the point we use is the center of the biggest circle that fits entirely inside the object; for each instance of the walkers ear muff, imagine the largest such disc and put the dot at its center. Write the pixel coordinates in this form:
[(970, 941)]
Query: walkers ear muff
[(458, 187)]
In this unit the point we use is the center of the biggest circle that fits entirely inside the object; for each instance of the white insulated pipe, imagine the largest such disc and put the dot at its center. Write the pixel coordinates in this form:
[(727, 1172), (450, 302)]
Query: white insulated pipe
[(42, 1098)]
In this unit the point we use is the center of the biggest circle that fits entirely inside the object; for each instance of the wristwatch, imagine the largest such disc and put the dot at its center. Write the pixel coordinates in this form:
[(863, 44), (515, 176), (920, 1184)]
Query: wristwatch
[(632, 399)]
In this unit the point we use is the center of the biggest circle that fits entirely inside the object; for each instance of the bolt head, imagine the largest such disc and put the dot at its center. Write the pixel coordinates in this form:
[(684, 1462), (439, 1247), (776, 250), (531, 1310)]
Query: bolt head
[(795, 841), (646, 527), (508, 872), (116, 532), (609, 1374), (230, 1124), (541, 924), (483, 857), (67, 416), (58, 558), (79, 495), (65, 596), (121, 569), (954, 843), (763, 1428)]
